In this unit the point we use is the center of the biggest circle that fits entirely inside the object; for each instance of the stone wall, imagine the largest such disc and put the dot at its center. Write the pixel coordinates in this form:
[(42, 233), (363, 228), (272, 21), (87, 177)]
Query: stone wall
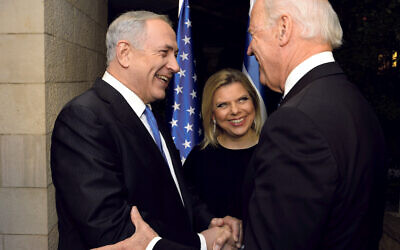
[(51, 50)]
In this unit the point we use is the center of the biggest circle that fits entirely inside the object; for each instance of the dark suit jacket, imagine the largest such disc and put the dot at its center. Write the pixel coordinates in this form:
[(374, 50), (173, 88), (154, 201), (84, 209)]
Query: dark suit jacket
[(104, 161), (316, 178)]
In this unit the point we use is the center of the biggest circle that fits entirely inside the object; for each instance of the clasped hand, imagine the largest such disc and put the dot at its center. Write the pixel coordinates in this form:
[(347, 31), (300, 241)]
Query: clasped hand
[(222, 233)]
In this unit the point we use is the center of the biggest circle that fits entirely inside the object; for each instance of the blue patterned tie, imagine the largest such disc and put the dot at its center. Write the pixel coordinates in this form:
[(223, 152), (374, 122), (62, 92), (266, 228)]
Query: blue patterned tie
[(154, 128)]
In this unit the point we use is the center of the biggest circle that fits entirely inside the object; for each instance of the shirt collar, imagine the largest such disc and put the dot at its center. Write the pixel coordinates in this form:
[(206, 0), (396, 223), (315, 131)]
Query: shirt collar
[(303, 68), (133, 100)]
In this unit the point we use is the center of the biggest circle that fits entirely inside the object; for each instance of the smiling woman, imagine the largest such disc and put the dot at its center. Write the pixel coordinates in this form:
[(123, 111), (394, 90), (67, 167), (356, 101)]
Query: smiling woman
[(232, 123), (233, 113)]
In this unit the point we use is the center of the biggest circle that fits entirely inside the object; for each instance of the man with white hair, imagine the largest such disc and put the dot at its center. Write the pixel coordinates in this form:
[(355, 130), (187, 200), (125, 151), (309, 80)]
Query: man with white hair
[(108, 152), (316, 178)]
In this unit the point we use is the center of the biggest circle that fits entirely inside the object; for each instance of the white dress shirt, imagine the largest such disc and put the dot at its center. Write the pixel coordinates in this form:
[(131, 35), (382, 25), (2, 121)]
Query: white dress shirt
[(139, 107), (303, 68)]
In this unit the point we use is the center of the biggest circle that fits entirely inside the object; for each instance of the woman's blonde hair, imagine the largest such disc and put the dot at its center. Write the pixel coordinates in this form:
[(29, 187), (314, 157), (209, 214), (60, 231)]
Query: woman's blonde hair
[(218, 79)]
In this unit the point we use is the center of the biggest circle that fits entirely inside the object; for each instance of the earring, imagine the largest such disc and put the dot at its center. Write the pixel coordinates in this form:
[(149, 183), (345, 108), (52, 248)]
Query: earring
[(215, 125)]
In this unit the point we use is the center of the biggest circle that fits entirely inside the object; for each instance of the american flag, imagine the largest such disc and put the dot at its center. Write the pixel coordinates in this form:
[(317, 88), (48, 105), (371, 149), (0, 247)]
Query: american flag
[(251, 69), (183, 100)]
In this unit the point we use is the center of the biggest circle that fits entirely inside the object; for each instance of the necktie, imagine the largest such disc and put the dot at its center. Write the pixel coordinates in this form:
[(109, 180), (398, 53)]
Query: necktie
[(154, 128)]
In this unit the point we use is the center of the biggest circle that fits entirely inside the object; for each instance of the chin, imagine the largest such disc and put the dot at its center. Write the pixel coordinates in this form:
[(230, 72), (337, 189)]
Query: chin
[(160, 95), (159, 98), (263, 81), (241, 133)]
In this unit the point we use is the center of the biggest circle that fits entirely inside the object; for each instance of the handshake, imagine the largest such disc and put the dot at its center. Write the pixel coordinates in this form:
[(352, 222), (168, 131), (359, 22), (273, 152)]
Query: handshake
[(222, 233)]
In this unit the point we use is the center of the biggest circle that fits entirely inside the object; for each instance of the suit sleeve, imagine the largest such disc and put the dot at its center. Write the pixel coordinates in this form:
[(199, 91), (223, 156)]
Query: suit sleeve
[(88, 178), (294, 181), (165, 244), (89, 181)]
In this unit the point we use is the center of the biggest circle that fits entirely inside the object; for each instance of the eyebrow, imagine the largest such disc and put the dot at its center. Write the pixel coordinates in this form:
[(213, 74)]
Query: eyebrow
[(169, 47)]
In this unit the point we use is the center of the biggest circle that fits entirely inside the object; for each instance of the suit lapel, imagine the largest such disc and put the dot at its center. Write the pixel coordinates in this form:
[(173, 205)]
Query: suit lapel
[(322, 70), (318, 72), (120, 107), (124, 113), (128, 118), (177, 165)]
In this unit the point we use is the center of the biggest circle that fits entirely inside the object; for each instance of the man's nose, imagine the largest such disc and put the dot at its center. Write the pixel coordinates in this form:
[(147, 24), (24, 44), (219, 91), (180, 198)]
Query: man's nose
[(173, 65)]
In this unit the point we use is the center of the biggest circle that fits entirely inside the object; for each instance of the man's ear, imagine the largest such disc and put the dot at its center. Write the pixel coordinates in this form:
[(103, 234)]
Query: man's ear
[(123, 52), (285, 26)]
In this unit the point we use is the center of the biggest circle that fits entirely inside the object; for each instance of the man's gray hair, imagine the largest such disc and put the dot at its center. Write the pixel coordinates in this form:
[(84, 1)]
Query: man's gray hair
[(316, 18), (129, 26)]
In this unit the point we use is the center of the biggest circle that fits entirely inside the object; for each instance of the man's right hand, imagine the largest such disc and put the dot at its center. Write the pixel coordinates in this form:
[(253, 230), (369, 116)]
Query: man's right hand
[(139, 240), (143, 233)]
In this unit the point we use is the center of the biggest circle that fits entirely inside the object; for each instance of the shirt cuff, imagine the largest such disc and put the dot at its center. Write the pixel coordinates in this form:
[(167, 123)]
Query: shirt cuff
[(153, 243), (203, 243)]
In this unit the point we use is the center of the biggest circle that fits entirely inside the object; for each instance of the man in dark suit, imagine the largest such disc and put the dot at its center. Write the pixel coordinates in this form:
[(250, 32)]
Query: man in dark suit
[(108, 153), (316, 179)]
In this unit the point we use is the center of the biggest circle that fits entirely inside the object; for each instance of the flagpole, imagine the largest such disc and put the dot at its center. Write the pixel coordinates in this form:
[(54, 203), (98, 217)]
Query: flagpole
[(180, 7)]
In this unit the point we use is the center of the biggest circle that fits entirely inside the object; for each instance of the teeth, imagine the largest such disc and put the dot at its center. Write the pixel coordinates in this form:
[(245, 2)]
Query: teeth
[(237, 121), (164, 78)]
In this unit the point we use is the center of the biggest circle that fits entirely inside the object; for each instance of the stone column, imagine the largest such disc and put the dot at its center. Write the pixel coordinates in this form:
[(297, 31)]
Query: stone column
[(50, 51)]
